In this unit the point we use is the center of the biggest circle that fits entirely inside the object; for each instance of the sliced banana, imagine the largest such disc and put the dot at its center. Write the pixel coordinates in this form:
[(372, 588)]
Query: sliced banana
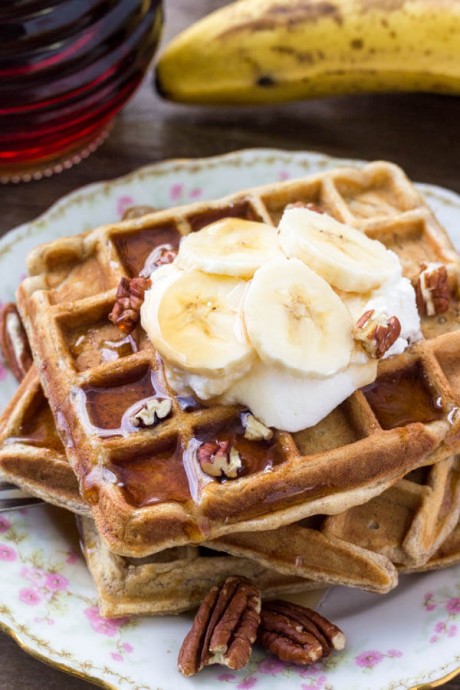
[(294, 319), (194, 321), (342, 255), (231, 246)]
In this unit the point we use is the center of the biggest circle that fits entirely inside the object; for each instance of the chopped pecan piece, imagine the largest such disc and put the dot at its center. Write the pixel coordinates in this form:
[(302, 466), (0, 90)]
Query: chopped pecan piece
[(224, 629), (219, 459), (130, 296), (254, 430), (137, 212), (432, 289), (14, 342), (161, 255), (297, 634), (376, 332), (152, 412)]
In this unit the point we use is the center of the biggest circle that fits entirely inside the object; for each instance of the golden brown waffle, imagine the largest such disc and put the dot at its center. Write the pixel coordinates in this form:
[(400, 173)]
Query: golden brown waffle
[(447, 555), (408, 522), (172, 580), (143, 497), (31, 453), (32, 457)]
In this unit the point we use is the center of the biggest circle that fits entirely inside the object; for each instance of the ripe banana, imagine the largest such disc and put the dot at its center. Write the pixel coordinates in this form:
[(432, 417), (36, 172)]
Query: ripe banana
[(265, 51), (194, 320), (342, 255), (231, 247), (295, 320)]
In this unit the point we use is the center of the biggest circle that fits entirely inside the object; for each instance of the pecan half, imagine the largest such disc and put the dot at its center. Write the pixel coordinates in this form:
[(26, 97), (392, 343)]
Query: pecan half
[(127, 308), (219, 459), (376, 332), (254, 430), (14, 343), (161, 255), (297, 634), (152, 412), (224, 629), (432, 289), (137, 212)]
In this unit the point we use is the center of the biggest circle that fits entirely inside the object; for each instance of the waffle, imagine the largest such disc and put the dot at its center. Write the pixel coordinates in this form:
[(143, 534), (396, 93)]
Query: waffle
[(408, 522), (172, 580), (143, 497), (298, 552)]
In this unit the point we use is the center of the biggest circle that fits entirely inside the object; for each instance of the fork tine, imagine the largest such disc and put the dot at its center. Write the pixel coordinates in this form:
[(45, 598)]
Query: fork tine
[(12, 498), (15, 503)]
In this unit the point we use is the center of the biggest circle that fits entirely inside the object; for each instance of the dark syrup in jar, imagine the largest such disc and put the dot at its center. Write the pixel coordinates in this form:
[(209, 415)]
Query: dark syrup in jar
[(66, 68)]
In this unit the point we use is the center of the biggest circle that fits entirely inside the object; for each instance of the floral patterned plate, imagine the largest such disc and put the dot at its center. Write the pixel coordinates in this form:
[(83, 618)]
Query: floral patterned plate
[(404, 639)]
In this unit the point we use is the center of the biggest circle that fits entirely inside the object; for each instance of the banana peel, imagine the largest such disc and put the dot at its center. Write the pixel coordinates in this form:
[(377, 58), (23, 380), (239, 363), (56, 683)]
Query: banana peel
[(268, 51)]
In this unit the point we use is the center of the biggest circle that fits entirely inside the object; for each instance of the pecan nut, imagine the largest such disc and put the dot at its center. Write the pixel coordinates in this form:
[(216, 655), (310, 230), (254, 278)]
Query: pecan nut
[(297, 634), (224, 628), (219, 459), (127, 308), (152, 412), (254, 430), (432, 289), (376, 332), (161, 255), (14, 343)]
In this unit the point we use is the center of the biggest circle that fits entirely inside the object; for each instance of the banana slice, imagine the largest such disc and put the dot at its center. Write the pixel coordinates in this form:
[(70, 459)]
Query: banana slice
[(294, 319), (340, 254), (231, 246), (194, 321)]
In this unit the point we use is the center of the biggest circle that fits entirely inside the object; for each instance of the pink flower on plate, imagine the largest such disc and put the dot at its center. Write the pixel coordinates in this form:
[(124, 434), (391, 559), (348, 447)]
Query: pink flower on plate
[(452, 631), (284, 175), (126, 647), (195, 192), (4, 524), (271, 666), (176, 191), (7, 553), (123, 203), (116, 656), (226, 677), (440, 627), (453, 606), (30, 597), (247, 683), (72, 557), (56, 582), (394, 653), (104, 626), (369, 659)]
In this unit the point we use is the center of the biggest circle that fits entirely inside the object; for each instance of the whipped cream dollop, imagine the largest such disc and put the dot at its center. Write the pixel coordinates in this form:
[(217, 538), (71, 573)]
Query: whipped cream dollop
[(262, 317)]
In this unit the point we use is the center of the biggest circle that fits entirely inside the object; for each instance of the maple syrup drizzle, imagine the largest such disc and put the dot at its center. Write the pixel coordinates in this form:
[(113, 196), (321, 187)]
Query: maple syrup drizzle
[(153, 477), (38, 428), (256, 456), (403, 397), (136, 248), (107, 411), (241, 209)]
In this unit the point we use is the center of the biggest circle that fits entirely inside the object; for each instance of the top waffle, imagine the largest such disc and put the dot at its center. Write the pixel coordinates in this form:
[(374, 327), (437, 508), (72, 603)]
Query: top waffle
[(146, 491)]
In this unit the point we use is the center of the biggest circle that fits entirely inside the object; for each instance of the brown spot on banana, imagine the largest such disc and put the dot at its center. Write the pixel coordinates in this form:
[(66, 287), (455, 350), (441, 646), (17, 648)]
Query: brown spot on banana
[(300, 56), (290, 15)]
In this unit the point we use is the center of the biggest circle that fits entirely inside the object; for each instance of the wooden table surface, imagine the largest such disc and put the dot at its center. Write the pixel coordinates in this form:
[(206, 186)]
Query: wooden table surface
[(419, 132)]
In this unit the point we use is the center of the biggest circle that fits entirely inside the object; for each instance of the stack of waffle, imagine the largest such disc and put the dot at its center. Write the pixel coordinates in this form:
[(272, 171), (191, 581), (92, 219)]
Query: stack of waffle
[(371, 489)]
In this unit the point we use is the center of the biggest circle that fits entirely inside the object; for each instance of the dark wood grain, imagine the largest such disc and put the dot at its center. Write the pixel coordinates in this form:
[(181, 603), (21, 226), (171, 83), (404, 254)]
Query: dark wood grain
[(419, 132)]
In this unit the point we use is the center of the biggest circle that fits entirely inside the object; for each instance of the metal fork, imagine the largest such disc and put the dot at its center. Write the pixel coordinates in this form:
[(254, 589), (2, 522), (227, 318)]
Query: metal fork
[(12, 498)]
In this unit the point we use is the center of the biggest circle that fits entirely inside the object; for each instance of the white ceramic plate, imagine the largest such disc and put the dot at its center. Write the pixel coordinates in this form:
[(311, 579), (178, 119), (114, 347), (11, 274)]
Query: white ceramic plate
[(404, 639)]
